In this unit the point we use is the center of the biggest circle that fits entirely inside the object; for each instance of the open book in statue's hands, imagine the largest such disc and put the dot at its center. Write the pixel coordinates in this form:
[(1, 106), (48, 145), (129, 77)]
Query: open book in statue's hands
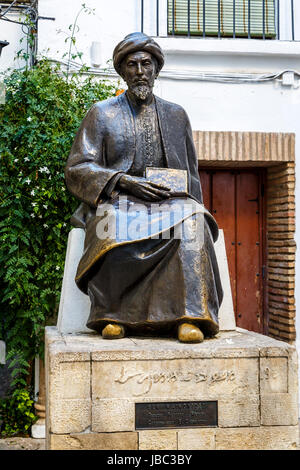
[(171, 178)]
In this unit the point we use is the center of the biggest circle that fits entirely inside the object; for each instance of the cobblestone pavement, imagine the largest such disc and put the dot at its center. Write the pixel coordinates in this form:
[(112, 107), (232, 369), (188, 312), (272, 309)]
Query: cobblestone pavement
[(22, 443)]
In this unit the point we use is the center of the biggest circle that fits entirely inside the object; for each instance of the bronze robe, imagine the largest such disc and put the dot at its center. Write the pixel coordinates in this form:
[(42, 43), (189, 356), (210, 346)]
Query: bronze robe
[(148, 285)]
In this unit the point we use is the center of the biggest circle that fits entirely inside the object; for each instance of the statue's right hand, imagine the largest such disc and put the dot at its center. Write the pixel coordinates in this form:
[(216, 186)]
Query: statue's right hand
[(143, 189)]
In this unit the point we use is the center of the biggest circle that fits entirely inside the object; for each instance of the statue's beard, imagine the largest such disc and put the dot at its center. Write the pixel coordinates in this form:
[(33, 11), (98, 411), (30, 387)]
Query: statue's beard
[(142, 92)]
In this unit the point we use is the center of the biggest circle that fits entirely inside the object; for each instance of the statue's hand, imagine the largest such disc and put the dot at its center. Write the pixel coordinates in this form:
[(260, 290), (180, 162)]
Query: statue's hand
[(143, 189)]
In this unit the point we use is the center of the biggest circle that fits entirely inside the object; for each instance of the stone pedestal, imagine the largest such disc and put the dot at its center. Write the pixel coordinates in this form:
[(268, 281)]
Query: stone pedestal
[(93, 385)]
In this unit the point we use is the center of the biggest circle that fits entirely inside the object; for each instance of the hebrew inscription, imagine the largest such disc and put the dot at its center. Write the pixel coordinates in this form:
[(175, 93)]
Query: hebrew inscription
[(177, 378), (161, 377)]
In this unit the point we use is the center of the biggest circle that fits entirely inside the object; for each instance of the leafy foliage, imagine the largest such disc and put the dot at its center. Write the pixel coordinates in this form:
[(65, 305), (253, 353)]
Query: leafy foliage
[(43, 110), (16, 413)]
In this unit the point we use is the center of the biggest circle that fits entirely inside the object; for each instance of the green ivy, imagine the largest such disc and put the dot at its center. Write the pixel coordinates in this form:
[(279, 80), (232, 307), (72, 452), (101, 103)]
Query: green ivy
[(43, 110), (17, 414)]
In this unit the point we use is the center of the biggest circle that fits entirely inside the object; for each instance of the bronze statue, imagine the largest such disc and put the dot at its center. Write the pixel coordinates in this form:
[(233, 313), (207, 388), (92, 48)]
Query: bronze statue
[(146, 284)]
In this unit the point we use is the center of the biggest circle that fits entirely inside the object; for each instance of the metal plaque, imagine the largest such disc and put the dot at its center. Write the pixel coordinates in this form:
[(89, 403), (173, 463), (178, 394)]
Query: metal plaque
[(182, 414)]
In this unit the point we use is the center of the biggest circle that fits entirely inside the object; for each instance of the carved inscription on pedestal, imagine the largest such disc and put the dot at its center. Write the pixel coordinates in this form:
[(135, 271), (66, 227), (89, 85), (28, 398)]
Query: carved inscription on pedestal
[(161, 377), (186, 414), (192, 379)]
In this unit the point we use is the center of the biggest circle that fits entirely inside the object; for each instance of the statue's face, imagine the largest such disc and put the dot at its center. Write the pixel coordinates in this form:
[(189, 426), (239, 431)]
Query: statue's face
[(139, 71)]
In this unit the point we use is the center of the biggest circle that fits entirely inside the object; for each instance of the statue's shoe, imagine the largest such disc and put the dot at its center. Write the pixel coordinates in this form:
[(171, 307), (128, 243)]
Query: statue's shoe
[(113, 331), (188, 333)]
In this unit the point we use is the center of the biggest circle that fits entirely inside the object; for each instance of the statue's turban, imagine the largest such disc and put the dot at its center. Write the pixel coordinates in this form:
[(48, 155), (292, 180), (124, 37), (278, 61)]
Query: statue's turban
[(135, 42)]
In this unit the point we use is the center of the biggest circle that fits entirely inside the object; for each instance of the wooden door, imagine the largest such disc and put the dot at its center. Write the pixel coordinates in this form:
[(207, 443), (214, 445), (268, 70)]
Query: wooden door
[(236, 200)]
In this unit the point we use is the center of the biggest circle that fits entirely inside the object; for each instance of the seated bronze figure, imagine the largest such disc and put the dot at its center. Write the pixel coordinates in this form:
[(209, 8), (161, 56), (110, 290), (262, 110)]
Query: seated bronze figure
[(149, 284)]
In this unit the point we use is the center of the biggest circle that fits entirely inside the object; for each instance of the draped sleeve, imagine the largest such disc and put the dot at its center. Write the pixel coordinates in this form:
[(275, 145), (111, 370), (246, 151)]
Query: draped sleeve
[(86, 174)]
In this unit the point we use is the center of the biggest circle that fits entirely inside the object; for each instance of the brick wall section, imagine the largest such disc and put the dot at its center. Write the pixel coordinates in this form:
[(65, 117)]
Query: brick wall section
[(281, 251)]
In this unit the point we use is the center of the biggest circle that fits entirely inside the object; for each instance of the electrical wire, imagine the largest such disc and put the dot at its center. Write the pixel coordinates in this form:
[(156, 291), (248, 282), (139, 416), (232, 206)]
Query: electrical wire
[(12, 21), (225, 77), (8, 8), (187, 75)]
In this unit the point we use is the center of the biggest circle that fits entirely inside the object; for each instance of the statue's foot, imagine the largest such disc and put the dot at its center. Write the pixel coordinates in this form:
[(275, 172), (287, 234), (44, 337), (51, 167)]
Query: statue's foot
[(188, 333), (113, 331)]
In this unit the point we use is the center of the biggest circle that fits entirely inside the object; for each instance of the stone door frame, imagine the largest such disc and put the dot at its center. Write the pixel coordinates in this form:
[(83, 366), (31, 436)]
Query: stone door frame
[(275, 152)]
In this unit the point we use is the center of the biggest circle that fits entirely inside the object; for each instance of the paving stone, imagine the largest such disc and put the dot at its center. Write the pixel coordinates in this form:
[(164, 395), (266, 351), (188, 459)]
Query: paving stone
[(95, 441)]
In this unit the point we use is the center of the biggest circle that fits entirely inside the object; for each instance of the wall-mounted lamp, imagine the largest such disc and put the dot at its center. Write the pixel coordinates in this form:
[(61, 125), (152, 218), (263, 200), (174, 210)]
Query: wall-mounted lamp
[(3, 44), (96, 54)]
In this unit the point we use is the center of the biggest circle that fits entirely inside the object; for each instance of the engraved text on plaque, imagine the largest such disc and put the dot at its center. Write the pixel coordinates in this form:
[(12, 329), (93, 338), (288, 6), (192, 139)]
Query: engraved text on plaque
[(187, 414)]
